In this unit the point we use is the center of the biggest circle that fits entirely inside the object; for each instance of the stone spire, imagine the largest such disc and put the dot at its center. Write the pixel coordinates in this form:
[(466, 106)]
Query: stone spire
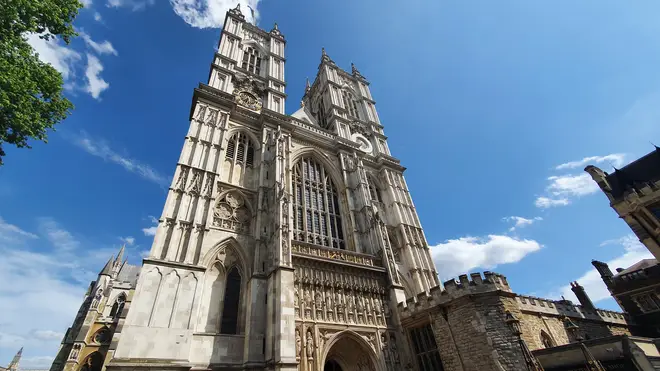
[(119, 262), (355, 71), (13, 365), (325, 57), (107, 269)]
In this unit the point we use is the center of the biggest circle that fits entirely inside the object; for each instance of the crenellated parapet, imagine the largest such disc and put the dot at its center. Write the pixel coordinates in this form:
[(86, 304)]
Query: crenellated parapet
[(561, 308), (450, 290)]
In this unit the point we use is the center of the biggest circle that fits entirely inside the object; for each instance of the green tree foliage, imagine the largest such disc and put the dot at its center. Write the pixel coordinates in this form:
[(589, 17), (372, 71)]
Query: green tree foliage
[(31, 99)]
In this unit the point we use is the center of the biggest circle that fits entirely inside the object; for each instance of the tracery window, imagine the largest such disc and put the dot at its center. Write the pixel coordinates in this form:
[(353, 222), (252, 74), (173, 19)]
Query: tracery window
[(425, 349), (229, 324), (374, 191), (251, 60), (240, 150), (349, 103), (317, 218), (321, 114)]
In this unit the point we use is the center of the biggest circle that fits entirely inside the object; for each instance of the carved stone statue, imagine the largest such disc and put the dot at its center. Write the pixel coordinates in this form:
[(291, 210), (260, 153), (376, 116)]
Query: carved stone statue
[(298, 343), (309, 345)]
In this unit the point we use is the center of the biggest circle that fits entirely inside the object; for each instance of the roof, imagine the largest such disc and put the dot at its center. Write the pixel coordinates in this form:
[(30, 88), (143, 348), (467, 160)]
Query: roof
[(642, 264), (643, 170), (129, 273), (304, 115)]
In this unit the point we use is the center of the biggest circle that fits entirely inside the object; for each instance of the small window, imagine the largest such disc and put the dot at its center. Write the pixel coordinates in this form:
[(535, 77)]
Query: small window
[(546, 340), (118, 306), (647, 302), (251, 60), (425, 349), (276, 104), (229, 323)]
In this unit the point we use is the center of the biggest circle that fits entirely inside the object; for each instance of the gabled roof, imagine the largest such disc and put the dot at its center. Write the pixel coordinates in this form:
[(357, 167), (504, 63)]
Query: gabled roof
[(305, 115)]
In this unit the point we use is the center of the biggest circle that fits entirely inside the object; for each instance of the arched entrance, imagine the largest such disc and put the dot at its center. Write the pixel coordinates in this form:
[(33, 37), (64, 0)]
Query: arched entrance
[(347, 351)]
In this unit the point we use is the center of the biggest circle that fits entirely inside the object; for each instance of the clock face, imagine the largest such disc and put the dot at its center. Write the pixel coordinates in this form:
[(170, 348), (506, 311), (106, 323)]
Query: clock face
[(365, 144)]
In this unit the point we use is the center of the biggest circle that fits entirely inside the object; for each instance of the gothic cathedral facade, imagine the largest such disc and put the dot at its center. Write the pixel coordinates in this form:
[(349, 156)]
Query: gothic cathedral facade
[(286, 241)]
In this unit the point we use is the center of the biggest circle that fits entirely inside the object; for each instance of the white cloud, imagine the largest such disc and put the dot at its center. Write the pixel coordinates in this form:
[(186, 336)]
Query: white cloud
[(54, 52), (47, 335), (211, 13), (86, 3), (459, 256), (54, 269), (95, 83), (101, 149), (133, 4), (545, 202), (633, 251), (58, 236), (615, 159), (10, 232), (104, 47), (128, 240), (97, 17), (572, 185), (520, 222), (151, 231)]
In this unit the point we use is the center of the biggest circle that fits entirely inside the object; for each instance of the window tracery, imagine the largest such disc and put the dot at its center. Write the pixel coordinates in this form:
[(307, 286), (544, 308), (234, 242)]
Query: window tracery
[(349, 103), (316, 206), (251, 60), (232, 213), (229, 324), (546, 340), (323, 122), (239, 166), (118, 306)]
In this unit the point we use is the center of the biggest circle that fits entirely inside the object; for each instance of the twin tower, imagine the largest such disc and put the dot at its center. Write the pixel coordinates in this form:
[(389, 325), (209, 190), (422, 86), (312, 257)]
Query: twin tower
[(286, 241)]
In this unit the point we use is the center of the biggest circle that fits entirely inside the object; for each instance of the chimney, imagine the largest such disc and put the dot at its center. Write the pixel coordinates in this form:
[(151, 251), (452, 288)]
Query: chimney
[(582, 296)]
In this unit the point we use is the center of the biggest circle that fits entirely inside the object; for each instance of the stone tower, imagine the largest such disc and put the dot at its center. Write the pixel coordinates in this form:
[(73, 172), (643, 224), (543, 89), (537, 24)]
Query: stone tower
[(286, 241)]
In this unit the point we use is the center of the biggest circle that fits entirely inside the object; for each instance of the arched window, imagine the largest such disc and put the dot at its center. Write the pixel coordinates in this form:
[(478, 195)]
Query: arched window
[(317, 218), (240, 150), (229, 324), (251, 60), (374, 191), (321, 114), (118, 306), (349, 103), (546, 340), (94, 362)]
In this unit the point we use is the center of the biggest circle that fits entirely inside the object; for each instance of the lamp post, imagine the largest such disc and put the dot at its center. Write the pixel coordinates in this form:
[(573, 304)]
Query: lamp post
[(574, 330), (532, 363)]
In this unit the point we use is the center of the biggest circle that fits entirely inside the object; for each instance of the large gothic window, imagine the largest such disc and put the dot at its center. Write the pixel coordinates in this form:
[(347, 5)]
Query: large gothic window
[(321, 114), (349, 103), (118, 306), (229, 324), (374, 191), (251, 60), (317, 218)]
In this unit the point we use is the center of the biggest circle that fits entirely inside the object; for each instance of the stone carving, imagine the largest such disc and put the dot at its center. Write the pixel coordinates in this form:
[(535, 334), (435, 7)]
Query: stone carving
[(298, 344), (248, 100), (208, 186), (75, 351), (212, 117), (97, 298), (232, 213), (201, 112), (181, 181), (248, 91), (309, 346), (249, 35), (394, 350), (335, 254), (195, 183)]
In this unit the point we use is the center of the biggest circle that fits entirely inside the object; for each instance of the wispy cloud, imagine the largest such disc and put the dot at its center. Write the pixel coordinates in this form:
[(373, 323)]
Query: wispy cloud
[(459, 256), (545, 202), (99, 148), (633, 251), (562, 189), (151, 231), (134, 5), (520, 222), (103, 47), (56, 53), (58, 236), (127, 240), (95, 83), (97, 17), (10, 232), (211, 13), (615, 159)]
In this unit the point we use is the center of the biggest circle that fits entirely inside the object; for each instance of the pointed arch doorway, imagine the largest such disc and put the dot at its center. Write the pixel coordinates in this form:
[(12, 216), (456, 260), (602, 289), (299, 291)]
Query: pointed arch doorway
[(349, 352)]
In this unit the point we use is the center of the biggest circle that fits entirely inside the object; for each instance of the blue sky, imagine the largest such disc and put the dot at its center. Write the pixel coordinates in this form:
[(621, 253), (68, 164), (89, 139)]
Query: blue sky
[(492, 107)]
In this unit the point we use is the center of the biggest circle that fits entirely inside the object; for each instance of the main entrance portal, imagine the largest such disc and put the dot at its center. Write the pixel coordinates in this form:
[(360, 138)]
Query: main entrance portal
[(332, 365), (350, 354)]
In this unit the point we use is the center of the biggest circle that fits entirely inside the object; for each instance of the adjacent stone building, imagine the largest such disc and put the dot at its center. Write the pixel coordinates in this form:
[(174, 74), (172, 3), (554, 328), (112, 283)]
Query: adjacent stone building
[(634, 193), (92, 339), (13, 365)]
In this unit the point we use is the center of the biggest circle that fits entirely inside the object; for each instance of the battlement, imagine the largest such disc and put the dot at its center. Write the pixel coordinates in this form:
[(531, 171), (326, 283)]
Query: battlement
[(568, 309), (450, 290)]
